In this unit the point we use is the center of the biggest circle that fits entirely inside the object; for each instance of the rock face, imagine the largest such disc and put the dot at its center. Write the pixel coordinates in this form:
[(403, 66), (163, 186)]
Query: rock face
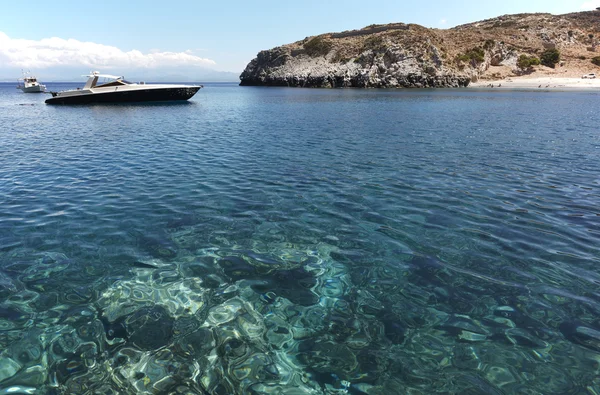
[(376, 57), (391, 68), (411, 56)]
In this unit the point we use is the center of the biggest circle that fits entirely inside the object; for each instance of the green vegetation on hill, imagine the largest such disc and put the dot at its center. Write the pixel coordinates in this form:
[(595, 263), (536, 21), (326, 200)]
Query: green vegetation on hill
[(550, 57), (524, 62), (317, 46), (374, 42), (489, 44), (476, 54)]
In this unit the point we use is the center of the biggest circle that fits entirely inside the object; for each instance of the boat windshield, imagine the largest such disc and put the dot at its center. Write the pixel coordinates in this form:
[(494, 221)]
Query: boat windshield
[(109, 83)]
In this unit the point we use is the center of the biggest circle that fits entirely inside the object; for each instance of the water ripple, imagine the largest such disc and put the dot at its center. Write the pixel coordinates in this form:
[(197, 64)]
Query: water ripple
[(317, 241)]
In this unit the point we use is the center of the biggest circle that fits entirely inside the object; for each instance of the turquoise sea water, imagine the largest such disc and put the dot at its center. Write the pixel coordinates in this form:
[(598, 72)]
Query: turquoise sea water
[(290, 241)]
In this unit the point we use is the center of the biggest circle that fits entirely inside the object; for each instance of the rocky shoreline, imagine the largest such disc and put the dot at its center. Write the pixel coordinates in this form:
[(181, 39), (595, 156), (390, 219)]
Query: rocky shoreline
[(274, 68), (387, 69)]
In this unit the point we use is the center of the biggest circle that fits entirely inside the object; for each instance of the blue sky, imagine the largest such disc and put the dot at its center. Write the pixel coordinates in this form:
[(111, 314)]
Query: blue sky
[(220, 35)]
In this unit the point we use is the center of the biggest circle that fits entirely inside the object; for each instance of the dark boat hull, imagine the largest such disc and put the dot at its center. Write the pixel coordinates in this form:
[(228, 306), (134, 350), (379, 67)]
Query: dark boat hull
[(132, 96)]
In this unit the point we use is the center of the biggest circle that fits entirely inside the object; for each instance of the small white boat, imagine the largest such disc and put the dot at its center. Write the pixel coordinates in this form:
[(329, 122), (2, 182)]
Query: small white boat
[(30, 84), (116, 89)]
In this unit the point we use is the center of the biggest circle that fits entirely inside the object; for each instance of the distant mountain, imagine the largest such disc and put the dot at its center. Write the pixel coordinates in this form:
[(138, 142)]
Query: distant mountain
[(409, 55), (71, 74), (199, 76)]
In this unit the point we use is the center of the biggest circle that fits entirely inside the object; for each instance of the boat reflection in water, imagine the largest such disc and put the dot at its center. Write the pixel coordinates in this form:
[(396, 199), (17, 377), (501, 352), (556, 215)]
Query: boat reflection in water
[(116, 89)]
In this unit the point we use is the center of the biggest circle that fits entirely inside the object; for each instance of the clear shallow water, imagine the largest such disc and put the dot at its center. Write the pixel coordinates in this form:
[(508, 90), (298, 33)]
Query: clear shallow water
[(301, 241)]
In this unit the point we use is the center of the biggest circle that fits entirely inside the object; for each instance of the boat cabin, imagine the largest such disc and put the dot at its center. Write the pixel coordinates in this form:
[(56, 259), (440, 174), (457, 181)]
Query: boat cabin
[(94, 81)]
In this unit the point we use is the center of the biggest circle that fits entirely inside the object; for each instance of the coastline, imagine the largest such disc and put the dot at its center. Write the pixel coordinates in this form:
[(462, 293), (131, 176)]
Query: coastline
[(538, 83)]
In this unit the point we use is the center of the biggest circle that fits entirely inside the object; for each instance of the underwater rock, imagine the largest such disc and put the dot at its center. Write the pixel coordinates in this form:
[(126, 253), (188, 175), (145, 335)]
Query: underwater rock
[(157, 246), (520, 319), (28, 348), (185, 325), (46, 268), (371, 365), (327, 357), (476, 385), (581, 334), (204, 269), (147, 264), (150, 328), (21, 390), (211, 282), (45, 301), (77, 294), (67, 368), (8, 286), (55, 259), (114, 330), (186, 220), (464, 328), (13, 314), (35, 375), (156, 372), (226, 329), (294, 284), (237, 268), (8, 368), (465, 357), (341, 327), (520, 337), (393, 328), (233, 349), (196, 344), (430, 271)]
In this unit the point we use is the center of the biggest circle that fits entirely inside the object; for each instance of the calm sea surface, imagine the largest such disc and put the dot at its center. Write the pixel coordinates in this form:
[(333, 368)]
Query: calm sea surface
[(289, 241)]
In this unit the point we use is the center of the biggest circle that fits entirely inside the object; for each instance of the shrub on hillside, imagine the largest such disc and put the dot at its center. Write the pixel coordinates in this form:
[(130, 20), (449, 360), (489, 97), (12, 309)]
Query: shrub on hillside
[(474, 55), (525, 62), (550, 57), (374, 42), (340, 57), (489, 44), (317, 46), (596, 60)]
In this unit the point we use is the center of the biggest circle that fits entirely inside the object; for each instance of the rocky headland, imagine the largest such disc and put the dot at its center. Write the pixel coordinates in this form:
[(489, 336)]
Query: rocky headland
[(411, 56)]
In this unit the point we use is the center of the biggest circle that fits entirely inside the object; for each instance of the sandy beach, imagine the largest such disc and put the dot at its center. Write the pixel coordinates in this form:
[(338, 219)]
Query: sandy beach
[(539, 83)]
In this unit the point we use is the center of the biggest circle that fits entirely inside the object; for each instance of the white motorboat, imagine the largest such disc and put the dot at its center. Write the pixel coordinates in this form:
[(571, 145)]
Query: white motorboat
[(30, 84), (115, 89)]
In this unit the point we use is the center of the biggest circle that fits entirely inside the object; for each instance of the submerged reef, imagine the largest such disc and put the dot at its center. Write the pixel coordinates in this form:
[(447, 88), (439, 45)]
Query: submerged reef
[(280, 318)]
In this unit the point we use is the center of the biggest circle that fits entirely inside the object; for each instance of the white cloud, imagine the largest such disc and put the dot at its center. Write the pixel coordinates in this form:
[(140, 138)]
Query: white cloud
[(443, 21), (590, 5), (50, 52)]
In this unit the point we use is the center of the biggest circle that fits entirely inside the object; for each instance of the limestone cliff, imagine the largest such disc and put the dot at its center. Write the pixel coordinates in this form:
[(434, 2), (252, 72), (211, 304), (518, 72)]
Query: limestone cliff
[(408, 55)]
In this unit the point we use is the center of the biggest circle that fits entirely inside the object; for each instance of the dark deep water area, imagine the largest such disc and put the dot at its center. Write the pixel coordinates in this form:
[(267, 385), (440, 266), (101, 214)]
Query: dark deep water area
[(297, 241)]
